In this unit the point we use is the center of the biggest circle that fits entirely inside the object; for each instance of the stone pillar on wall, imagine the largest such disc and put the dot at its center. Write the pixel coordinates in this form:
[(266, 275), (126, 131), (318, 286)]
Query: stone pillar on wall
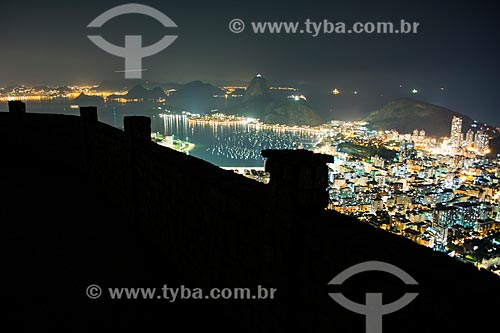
[(17, 107), (88, 116), (138, 136), (88, 113), (16, 140), (299, 179), (137, 129)]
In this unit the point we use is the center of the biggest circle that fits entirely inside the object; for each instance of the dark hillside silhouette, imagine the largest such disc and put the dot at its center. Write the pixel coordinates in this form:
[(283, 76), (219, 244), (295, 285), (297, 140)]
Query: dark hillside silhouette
[(85, 203)]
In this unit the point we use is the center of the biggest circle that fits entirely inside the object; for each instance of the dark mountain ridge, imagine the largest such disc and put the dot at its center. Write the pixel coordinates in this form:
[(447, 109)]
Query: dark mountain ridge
[(259, 103), (406, 115)]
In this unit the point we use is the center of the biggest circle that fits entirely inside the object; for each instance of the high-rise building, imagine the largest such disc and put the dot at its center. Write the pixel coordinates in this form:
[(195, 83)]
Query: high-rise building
[(442, 218), (469, 137), (456, 131), (482, 142)]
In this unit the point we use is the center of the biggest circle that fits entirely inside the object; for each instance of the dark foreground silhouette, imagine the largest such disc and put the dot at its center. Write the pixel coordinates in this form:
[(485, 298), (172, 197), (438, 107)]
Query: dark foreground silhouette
[(83, 203)]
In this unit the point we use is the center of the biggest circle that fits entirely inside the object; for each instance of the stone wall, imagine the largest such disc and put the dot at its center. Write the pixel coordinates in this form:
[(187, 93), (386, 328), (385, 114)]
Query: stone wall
[(216, 228)]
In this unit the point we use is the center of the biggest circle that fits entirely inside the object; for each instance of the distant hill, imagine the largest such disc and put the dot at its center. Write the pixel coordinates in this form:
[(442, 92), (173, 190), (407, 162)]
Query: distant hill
[(405, 115), (89, 100), (255, 99), (195, 96), (291, 112), (258, 103), (257, 89), (141, 92), (196, 90)]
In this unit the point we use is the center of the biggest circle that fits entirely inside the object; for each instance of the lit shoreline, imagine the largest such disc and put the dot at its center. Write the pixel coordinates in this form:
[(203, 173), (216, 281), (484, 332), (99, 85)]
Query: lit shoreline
[(220, 119)]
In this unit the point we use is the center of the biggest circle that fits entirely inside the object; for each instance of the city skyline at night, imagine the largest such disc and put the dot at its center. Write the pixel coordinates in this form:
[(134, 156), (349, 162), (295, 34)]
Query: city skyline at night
[(255, 166), (451, 61)]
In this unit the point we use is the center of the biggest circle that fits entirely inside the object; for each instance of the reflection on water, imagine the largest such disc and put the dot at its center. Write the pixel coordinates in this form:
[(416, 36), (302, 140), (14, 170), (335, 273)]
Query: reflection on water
[(232, 144)]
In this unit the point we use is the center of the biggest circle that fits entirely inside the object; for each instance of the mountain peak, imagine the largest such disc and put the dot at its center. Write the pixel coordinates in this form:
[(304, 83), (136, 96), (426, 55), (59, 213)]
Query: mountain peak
[(139, 91), (406, 114), (257, 89)]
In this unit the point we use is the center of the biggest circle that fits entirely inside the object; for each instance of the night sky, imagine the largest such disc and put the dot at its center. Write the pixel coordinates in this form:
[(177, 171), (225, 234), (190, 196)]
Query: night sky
[(44, 42)]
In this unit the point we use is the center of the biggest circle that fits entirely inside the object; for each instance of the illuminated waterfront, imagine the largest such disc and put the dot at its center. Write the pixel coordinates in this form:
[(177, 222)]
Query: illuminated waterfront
[(234, 143)]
